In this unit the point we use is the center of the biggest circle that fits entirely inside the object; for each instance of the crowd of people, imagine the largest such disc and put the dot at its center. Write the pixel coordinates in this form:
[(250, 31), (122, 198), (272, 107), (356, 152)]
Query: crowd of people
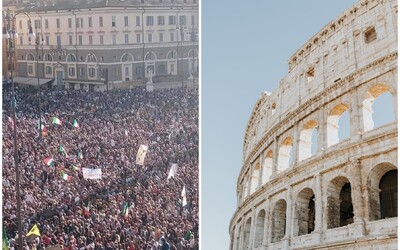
[(132, 206)]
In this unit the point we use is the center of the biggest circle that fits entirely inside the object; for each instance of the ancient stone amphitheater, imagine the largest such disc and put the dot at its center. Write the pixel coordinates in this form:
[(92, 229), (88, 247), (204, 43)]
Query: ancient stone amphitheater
[(295, 192)]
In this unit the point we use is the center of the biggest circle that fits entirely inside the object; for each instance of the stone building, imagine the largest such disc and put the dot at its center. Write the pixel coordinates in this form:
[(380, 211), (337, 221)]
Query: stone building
[(331, 193), (83, 44)]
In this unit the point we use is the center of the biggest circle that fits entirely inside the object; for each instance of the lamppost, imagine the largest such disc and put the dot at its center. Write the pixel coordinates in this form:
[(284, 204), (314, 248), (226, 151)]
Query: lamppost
[(9, 33), (38, 80)]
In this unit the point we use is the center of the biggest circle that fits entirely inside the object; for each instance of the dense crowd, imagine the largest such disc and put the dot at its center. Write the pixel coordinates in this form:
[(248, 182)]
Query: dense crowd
[(79, 213)]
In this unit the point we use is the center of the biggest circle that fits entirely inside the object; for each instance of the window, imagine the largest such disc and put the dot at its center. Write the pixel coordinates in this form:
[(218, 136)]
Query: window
[(182, 20), (47, 39), (79, 22), (58, 40), (70, 40), (69, 22), (101, 21), (161, 36), (126, 21), (92, 72), (172, 37), (370, 35), (49, 70), (150, 38), (90, 39), (80, 39), (137, 20), (171, 20), (310, 74), (126, 38), (138, 38), (278, 221), (81, 72), (113, 21), (46, 23), (149, 21), (192, 19), (114, 39), (37, 24), (101, 39), (21, 40), (161, 20), (139, 71), (71, 71), (90, 22), (20, 24), (30, 69)]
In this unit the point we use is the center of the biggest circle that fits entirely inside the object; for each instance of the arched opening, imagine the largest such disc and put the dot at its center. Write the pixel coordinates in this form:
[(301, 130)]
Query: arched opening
[(307, 135), (127, 67), (267, 167), (285, 157), (377, 98), (305, 212), (340, 205), (246, 235), (382, 191), (338, 118), (259, 233), (150, 59), (279, 221), (255, 176)]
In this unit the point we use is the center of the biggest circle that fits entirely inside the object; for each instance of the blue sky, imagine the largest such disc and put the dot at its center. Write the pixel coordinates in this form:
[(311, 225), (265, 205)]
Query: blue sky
[(245, 48)]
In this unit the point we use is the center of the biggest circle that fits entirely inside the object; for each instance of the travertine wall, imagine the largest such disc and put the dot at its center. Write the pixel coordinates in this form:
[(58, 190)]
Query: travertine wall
[(290, 197)]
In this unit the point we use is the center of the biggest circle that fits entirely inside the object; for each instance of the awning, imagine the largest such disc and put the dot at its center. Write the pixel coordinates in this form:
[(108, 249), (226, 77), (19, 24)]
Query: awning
[(31, 81), (97, 82)]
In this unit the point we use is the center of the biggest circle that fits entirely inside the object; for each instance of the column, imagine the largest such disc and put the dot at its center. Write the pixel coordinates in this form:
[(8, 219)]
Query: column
[(318, 206), (356, 195), (275, 159), (296, 143), (322, 131), (261, 172), (289, 211), (252, 228), (267, 224), (356, 117)]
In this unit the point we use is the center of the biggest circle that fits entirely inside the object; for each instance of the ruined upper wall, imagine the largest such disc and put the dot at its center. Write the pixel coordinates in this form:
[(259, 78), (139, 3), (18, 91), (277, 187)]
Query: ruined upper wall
[(362, 34)]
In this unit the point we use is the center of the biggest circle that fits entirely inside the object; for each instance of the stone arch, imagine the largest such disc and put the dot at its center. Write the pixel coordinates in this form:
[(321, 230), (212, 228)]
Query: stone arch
[(172, 54), (150, 56), (255, 176), (279, 221), (127, 57), (306, 136), (190, 53), (382, 197), (259, 228), (246, 234), (335, 114), (267, 167), (71, 58), (48, 57), (340, 205), (91, 58), (304, 217), (30, 57), (285, 154), (373, 93)]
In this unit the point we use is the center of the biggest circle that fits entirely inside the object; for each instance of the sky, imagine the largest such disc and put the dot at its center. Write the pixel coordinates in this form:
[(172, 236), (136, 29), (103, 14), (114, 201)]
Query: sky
[(245, 46)]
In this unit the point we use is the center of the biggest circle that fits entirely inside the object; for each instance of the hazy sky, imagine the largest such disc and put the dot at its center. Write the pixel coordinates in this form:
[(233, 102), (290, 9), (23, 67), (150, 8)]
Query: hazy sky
[(245, 48)]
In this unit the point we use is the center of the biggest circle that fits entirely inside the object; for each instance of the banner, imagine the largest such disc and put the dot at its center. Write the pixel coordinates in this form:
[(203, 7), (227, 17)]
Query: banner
[(172, 171), (55, 247), (93, 174), (141, 154)]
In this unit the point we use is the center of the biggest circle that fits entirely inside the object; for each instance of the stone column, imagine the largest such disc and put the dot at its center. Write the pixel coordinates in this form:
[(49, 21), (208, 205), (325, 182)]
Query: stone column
[(296, 144), (270, 218), (275, 159), (356, 117), (318, 207), (356, 194), (322, 130), (261, 172), (252, 228), (251, 178), (289, 211), (267, 224)]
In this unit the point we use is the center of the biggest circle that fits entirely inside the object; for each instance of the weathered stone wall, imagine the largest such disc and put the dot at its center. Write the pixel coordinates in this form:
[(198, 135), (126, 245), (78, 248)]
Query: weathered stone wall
[(331, 198)]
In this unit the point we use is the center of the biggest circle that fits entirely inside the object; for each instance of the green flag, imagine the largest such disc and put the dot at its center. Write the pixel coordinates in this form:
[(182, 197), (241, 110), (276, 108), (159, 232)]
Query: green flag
[(6, 244)]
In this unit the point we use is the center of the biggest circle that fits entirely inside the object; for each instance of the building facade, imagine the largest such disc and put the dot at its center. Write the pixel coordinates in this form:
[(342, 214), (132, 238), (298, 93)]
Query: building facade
[(295, 192), (85, 44)]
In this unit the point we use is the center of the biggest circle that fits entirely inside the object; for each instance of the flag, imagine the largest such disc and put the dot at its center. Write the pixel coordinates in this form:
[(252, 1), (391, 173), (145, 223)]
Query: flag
[(75, 124), (93, 174), (172, 171), (76, 168), (6, 243), (80, 155), (126, 132), (65, 176), (61, 149), (141, 154), (55, 121), (125, 211), (183, 194), (86, 210), (49, 161), (11, 121), (44, 132), (34, 231)]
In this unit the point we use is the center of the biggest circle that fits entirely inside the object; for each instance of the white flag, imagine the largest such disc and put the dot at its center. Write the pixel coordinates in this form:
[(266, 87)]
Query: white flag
[(183, 194), (92, 174), (141, 154), (172, 171), (126, 132), (112, 142)]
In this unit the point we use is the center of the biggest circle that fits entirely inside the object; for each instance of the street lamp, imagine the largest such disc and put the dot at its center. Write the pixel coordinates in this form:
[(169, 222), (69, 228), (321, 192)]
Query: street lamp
[(37, 43), (9, 34)]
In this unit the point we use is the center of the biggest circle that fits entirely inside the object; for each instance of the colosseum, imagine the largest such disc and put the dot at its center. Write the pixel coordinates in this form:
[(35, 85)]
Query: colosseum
[(295, 192)]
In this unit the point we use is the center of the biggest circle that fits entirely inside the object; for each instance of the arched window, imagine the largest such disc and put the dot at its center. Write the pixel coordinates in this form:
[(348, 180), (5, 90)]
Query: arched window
[(340, 205), (259, 233), (305, 212), (126, 58), (279, 221), (267, 167), (378, 98), (308, 136), (48, 57), (246, 235), (150, 56), (338, 117), (30, 57), (285, 154), (91, 58), (255, 176), (192, 54), (172, 54), (382, 190), (71, 58)]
